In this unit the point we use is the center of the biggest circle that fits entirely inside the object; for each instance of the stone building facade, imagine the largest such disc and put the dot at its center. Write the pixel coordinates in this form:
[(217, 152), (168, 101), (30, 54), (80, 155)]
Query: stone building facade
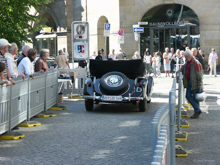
[(123, 14)]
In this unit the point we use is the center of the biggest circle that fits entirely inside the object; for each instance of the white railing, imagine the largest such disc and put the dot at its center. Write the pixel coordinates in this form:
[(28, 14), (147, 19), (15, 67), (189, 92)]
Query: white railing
[(163, 132), (26, 98)]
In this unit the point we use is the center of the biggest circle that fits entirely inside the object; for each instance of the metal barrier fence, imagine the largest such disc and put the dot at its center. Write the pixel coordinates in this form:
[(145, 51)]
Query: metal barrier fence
[(27, 98), (163, 132)]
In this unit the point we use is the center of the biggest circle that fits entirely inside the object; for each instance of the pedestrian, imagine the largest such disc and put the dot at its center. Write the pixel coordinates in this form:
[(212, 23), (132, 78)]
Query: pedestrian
[(24, 53), (201, 54), (120, 55), (65, 53), (158, 64), (82, 63), (136, 56), (2, 68), (41, 63), (4, 45), (192, 80), (112, 55), (147, 61), (103, 54), (93, 56), (183, 57), (99, 57), (198, 57), (213, 62), (184, 46), (154, 60), (11, 62), (62, 61), (26, 66), (172, 65), (178, 59), (166, 63)]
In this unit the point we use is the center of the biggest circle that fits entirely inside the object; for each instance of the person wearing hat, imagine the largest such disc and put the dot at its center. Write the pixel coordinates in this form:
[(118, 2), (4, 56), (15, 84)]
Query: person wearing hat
[(4, 45)]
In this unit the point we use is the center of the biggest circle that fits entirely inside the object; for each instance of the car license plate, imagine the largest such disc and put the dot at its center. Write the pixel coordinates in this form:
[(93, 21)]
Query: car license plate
[(112, 98)]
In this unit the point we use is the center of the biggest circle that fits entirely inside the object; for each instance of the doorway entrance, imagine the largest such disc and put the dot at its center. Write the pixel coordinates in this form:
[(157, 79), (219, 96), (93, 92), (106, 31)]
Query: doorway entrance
[(172, 26), (171, 37)]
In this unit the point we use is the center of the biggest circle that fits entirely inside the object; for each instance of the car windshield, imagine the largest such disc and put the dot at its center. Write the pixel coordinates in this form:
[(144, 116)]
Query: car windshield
[(131, 68)]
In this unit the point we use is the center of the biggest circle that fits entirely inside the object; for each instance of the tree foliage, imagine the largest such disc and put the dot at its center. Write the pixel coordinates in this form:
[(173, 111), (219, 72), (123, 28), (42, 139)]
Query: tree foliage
[(15, 19)]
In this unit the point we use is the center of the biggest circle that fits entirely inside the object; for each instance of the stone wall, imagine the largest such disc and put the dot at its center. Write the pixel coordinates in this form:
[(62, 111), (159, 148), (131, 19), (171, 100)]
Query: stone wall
[(132, 11), (103, 9)]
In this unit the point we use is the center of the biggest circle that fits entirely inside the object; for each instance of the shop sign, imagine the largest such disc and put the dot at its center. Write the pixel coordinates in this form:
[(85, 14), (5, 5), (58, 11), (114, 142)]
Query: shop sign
[(175, 23)]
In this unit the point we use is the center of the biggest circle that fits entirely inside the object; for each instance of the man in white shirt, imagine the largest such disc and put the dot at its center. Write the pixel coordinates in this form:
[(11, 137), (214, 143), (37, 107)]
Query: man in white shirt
[(12, 63), (65, 53), (113, 55), (26, 65)]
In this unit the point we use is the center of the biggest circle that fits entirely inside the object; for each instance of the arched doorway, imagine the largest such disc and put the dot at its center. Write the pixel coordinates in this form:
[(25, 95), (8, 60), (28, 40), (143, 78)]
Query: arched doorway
[(171, 25), (103, 43)]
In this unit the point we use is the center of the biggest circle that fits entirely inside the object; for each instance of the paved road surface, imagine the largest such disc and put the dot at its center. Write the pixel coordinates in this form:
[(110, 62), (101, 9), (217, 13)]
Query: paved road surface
[(113, 134)]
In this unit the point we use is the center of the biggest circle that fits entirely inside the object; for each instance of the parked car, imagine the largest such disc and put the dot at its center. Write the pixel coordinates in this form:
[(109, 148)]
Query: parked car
[(122, 81)]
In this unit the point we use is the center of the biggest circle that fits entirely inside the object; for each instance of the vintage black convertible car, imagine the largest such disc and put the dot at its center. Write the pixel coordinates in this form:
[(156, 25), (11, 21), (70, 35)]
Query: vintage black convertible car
[(122, 81)]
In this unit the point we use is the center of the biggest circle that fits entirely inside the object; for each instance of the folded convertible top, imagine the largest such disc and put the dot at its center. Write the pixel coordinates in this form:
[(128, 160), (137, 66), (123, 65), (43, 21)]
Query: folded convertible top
[(131, 68)]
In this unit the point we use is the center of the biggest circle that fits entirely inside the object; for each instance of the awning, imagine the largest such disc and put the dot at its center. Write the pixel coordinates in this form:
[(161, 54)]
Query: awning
[(45, 36)]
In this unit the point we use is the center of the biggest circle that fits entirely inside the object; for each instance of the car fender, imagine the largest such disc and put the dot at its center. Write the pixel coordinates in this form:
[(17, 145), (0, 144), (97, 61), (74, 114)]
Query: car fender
[(140, 90), (150, 86), (88, 89)]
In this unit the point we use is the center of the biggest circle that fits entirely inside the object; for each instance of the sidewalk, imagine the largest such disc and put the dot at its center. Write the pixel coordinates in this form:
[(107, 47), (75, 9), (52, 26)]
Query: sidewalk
[(203, 145)]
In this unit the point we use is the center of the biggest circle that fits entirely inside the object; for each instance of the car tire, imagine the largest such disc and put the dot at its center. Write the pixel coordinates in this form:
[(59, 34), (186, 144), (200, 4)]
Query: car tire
[(143, 105), (89, 105), (116, 89)]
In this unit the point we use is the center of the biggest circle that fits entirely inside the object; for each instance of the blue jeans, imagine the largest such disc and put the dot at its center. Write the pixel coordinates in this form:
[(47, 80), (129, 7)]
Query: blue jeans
[(190, 95), (172, 67)]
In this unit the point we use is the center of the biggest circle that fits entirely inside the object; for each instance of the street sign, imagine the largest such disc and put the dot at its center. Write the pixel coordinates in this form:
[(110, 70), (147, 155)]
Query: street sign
[(138, 30), (121, 39), (107, 29), (80, 40), (80, 50), (80, 31), (107, 26), (121, 32)]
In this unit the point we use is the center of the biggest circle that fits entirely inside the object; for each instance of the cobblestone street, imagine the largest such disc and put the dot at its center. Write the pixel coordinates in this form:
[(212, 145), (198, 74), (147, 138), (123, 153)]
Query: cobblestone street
[(112, 134)]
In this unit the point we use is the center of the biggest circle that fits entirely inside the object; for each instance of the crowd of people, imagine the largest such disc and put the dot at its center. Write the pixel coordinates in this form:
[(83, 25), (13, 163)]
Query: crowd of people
[(27, 63), (112, 56), (173, 61)]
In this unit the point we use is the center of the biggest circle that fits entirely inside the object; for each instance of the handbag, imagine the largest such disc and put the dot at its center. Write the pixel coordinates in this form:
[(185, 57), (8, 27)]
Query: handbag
[(208, 68), (173, 61)]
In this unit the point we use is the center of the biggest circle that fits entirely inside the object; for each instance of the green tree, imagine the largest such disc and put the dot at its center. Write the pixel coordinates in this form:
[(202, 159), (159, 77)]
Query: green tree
[(15, 19)]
